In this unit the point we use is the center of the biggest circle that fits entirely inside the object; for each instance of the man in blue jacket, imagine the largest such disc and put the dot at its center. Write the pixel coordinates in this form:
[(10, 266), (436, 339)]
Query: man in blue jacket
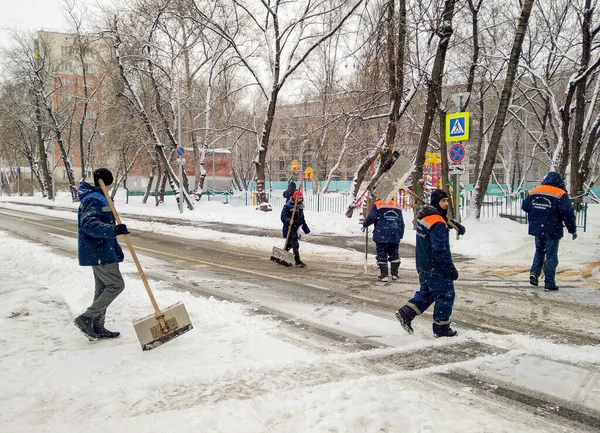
[(389, 230), (98, 248), (436, 271), (548, 207)]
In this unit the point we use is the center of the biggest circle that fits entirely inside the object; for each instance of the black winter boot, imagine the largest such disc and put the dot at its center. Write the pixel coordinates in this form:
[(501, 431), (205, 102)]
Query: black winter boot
[(299, 263), (383, 272), (104, 333), (533, 279), (443, 331), (86, 325), (394, 270), (405, 316)]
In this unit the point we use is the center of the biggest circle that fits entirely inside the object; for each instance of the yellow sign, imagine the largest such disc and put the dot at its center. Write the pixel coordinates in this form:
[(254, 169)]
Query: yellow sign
[(308, 173), (457, 127), (432, 158), (294, 165)]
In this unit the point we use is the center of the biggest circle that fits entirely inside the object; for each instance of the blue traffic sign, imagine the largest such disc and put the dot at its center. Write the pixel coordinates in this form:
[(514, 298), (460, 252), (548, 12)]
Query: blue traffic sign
[(180, 151), (457, 127), (456, 152)]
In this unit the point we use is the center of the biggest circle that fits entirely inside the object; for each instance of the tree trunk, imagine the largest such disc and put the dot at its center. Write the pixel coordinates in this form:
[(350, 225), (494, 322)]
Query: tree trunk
[(260, 160), (580, 101), (490, 157), (433, 94)]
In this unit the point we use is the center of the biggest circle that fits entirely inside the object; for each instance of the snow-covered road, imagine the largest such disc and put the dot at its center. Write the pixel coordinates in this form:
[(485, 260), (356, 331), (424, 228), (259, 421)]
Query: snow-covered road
[(330, 359)]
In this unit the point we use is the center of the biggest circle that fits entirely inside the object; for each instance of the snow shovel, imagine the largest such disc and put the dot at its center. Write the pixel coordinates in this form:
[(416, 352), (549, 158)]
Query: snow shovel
[(162, 326), (282, 256)]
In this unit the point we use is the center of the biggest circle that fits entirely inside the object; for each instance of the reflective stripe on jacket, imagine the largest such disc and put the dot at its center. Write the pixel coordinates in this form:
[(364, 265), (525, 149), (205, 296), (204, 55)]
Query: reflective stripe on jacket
[(548, 207)]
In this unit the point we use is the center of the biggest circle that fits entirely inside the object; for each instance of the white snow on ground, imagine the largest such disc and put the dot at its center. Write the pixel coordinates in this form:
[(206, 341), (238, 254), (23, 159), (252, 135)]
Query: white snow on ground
[(239, 372)]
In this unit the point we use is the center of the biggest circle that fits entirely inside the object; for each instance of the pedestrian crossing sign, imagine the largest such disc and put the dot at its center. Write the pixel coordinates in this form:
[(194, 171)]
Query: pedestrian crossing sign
[(457, 127)]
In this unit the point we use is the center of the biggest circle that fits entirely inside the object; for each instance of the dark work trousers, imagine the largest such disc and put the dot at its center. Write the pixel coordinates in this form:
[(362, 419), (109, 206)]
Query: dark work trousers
[(387, 252), (434, 289), (545, 248), (294, 245), (109, 284)]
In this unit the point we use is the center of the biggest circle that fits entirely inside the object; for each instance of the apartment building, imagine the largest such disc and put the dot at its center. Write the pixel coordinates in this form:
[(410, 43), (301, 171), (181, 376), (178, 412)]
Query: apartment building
[(76, 68)]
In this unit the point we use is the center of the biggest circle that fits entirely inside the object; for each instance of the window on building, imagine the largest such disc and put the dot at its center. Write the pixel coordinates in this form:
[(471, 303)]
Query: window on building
[(91, 115), (499, 175), (471, 176), (66, 98), (65, 66), (89, 68), (66, 81), (281, 163), (66, 51), (282, 177)]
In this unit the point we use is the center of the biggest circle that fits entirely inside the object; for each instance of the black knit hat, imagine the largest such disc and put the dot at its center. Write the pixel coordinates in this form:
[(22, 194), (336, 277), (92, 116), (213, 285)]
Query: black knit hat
[(105, 175), (436, 196)]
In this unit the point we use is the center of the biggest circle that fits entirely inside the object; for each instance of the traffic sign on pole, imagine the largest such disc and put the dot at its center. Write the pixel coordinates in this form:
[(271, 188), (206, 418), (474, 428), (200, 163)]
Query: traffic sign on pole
[(457, 169), (457, 127), (180, 151), (456, 152)]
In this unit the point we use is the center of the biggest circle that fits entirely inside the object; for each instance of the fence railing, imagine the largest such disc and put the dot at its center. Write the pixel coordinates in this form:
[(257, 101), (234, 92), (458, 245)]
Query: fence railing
[(510, 207), (493, 207)]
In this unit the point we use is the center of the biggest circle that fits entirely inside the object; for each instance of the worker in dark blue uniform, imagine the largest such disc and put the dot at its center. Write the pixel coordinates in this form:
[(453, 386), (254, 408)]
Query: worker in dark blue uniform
[(548, 207), (437, 272), (389, 230)]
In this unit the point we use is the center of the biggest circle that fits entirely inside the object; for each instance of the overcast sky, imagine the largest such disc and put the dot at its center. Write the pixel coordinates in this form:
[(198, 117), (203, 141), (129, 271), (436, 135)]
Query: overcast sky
[(34, 15), (30, 15)]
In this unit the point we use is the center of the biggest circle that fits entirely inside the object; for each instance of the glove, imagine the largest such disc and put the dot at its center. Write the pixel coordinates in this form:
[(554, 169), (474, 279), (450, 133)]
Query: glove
[(574, 236), (460, 228), (121, 229), (307, 231), (453, 273), (361, 220)]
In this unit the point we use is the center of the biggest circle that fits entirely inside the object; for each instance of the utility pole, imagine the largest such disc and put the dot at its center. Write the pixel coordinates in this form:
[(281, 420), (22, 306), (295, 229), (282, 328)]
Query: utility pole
[(180, 159), (526, 170)]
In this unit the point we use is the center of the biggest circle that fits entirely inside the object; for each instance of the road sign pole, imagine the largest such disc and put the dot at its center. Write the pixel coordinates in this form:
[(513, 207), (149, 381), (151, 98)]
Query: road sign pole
[(180, 160), (456, 196)]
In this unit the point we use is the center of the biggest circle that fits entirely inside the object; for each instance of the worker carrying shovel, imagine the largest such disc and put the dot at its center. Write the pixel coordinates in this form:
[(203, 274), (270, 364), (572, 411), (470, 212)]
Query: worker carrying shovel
[(292, 217), (98, 248)]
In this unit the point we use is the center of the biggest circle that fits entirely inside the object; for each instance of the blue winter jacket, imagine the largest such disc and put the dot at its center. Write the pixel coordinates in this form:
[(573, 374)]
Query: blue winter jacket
[(388, 220), (97, 242), (433, 243), (548, 206), (286, 216)]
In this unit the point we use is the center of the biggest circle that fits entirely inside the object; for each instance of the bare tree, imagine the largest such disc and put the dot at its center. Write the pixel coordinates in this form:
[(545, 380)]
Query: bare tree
[(488, 165), (434, 91), (289, 38)]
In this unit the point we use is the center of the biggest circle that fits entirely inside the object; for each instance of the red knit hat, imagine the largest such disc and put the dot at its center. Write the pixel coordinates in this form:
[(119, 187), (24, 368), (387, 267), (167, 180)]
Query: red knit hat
[(297, 194)]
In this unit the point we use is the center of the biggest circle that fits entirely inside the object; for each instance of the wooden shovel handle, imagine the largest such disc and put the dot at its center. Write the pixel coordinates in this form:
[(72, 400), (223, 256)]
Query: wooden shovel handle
[(132, 252), (287, 238), (450, 223)]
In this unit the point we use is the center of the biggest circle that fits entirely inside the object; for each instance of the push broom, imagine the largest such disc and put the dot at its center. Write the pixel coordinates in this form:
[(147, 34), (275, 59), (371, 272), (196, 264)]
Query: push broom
[(162, 326)]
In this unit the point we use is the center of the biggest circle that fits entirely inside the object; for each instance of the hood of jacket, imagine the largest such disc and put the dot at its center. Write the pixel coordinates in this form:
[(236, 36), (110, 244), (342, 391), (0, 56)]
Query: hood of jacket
[(554, 179), (85, 189)]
